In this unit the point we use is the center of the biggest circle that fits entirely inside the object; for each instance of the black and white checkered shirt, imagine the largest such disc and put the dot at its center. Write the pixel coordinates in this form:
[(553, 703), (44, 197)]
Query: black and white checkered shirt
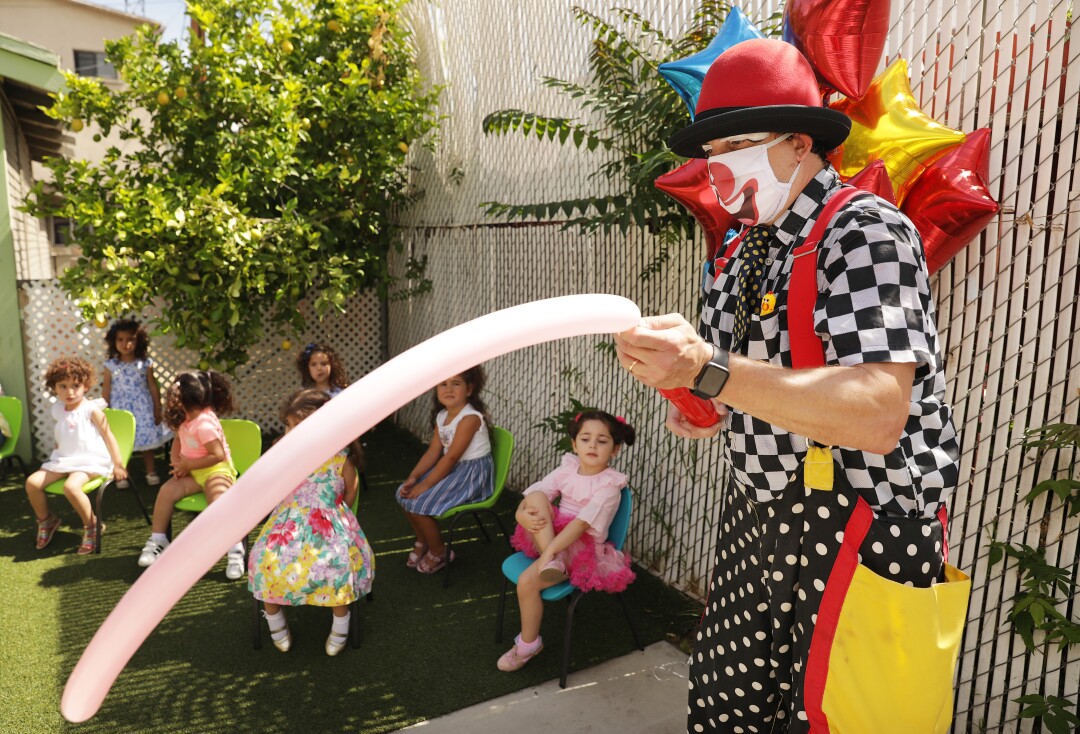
[(873, 305)]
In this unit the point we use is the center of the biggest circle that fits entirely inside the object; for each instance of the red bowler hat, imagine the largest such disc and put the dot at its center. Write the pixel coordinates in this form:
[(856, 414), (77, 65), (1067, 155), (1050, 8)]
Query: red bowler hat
[(760, 86)]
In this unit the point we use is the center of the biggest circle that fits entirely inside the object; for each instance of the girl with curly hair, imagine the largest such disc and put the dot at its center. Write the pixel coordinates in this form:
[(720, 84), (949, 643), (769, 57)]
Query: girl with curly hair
[(85, 449)]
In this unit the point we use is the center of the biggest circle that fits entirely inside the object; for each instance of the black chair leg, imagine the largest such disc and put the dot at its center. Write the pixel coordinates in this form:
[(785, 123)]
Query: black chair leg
[(138, 499), (502, 609), (483, 530), (629, 622), (98, 524), (502, 527), (354, 633), (569, 631), (363, 481), (446, 551), (256, 626)]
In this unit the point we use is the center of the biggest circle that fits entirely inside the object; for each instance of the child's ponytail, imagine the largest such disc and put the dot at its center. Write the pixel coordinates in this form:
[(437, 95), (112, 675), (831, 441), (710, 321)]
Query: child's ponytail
[(195, 390), (220, 392)]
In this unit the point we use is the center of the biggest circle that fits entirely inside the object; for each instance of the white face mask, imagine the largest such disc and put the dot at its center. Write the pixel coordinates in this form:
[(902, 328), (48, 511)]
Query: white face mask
[(746, 186)]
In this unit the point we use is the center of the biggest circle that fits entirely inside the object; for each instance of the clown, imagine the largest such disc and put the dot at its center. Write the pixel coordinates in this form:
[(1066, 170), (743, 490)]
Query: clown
[(847, 462)]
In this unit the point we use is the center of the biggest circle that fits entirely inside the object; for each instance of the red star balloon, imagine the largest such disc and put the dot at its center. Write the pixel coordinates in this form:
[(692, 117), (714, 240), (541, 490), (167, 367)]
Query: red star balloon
[(842, 39), (887, 124), (875, 179), (689, 185), (951, 204)]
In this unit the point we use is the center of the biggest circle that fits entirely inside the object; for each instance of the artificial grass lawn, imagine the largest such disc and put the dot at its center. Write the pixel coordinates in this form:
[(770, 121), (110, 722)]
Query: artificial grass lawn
[(425, 650)]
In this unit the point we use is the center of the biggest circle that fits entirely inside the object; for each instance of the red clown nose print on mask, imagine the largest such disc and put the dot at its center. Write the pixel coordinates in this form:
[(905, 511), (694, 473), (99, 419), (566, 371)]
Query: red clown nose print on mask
[(739, 202), (746, 185)]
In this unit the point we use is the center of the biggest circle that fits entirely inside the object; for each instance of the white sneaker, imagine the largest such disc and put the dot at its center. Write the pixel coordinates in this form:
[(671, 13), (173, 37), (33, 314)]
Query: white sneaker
[(153, 479), (150, 553), (234, 565), (122, 484)]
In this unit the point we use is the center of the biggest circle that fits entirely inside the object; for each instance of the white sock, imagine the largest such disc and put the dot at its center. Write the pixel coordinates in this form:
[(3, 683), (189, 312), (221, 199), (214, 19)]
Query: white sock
[(160, 538), (276, 621), (238, 549), (527, 647), (341, 624)]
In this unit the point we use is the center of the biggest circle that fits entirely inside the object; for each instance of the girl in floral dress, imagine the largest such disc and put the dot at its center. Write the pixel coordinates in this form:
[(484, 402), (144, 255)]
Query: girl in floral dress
[(129, 384), (312, 550)]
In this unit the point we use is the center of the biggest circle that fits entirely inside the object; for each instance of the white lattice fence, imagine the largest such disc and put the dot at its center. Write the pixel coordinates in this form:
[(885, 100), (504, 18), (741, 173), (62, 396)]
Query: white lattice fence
[(1007, 304), (52, 328)]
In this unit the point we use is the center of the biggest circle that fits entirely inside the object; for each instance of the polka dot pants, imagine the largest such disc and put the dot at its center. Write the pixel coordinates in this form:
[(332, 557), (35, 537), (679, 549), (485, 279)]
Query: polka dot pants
[(772, 562)]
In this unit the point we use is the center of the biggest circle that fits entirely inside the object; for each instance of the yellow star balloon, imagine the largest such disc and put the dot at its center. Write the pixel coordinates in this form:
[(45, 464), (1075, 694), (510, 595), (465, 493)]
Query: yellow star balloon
[(887, 124)]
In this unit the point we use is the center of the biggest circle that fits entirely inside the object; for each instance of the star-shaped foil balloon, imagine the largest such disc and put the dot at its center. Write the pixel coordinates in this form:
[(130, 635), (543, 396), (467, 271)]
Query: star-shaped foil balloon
[(887, 124), (686, 75), (842, 39), (951, 204), (875, 179), (689, 185)]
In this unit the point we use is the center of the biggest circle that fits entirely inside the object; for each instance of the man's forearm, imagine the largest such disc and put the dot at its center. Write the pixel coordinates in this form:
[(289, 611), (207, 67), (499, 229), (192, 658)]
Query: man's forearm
[(861, 407)]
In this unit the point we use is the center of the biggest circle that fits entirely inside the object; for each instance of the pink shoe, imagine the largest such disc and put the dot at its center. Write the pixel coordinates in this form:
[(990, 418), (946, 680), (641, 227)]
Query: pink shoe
[(512, 659), (432, 563), (554, 572)]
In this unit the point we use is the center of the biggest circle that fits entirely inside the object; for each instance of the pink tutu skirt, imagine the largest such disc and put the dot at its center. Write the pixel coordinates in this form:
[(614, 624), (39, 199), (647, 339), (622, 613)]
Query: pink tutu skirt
[(591, 566)]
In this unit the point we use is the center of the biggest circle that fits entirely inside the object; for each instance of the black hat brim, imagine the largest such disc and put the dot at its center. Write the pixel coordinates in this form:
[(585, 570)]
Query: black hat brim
[(826, 125)]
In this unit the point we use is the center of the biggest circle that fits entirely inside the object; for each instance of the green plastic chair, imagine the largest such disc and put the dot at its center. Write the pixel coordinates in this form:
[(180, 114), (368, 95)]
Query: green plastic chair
[(502, 449), (12, 410), (245, 446), (122, 425), (516, 564)]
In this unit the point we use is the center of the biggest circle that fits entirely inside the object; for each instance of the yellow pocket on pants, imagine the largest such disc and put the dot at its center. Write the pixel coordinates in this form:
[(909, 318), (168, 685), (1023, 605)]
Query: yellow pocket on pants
[(883, 654)]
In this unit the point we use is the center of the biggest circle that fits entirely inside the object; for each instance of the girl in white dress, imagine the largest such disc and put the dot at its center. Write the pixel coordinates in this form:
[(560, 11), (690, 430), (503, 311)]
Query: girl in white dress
[(85, 448)]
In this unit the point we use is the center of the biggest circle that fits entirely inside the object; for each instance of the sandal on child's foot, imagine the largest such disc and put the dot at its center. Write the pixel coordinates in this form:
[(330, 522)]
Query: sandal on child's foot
[(432, 563), (153, 479), (46, 529), (335, 643), (122, 484), (89, 542), (281, 642), (419, 551)]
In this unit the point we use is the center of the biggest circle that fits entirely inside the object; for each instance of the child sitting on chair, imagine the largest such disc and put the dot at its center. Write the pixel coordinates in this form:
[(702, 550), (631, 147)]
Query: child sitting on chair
[(85, 448), (570, 540)]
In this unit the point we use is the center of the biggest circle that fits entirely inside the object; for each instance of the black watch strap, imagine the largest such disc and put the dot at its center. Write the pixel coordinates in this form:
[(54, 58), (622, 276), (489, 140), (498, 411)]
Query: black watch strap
[(710, 381)]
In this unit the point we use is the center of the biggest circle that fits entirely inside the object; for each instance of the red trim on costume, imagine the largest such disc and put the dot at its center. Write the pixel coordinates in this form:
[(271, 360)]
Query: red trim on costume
[(943, 518), (828, 616), (806, 348)]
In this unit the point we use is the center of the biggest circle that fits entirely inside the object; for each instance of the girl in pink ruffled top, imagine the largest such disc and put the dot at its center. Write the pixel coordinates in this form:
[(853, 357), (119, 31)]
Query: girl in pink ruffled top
[(569, 539)]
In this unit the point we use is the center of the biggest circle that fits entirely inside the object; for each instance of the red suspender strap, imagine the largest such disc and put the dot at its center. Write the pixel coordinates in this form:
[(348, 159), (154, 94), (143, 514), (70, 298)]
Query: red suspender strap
[(806, 347), (828, 616)]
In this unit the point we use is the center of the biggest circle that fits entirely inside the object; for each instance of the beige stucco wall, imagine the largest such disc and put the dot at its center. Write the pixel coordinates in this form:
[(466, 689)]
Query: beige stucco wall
[(62, 27)]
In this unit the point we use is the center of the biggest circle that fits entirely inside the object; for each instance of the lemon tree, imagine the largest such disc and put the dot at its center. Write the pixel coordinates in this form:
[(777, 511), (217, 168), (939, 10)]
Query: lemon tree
[(262, 158)]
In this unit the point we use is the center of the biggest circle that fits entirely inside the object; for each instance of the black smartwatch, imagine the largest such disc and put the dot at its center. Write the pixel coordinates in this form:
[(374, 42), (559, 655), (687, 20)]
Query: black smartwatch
[(710, 381)]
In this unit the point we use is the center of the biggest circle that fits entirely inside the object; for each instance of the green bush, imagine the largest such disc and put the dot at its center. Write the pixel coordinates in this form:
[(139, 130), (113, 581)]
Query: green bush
[(263, 158)]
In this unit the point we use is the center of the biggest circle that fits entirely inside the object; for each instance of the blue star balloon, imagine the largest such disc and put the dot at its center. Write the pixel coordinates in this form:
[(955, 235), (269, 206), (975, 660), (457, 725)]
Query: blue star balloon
[(686, 75)]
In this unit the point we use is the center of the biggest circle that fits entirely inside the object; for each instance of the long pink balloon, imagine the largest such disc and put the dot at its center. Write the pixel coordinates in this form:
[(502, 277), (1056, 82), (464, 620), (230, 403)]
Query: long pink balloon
[(301, 451)]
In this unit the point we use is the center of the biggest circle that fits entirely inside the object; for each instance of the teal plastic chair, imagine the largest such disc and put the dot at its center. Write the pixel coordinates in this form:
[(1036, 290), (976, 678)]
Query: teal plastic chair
[(12, 410), (502, 449), (516, 564), (122, 425)]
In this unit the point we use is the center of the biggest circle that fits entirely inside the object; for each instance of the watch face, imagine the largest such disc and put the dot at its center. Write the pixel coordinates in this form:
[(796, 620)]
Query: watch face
[(712, 381)]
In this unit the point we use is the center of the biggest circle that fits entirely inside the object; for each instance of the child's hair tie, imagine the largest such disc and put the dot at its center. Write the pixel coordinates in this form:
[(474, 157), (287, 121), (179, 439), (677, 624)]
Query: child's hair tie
[(309, 349), (577, 418), (620, 419)]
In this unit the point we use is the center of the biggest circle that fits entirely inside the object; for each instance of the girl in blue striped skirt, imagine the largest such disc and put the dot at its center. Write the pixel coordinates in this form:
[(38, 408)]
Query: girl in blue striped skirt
[(456, 469)]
